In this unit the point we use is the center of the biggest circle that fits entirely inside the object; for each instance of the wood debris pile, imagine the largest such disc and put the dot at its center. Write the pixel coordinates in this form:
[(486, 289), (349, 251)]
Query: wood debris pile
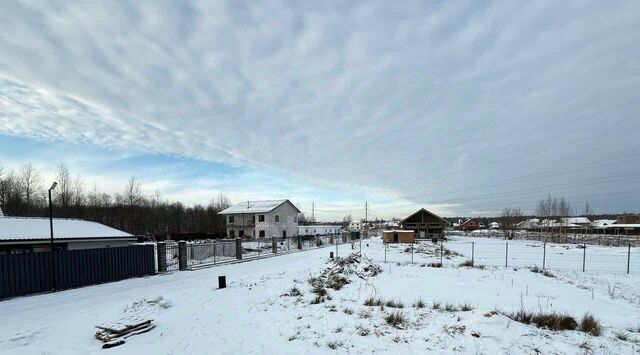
[(114, 334)]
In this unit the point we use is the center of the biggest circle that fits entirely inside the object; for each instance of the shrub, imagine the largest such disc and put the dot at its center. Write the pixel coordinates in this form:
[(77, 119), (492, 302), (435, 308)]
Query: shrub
[(317, 300), (437, 265), (436, 305), (419, 303), (396, 319), (320, 291), (348, 311), (590, 325), (336, 282)]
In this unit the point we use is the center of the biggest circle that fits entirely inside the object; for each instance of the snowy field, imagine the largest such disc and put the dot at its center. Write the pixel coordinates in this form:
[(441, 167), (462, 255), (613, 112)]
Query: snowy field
[(259, 313)]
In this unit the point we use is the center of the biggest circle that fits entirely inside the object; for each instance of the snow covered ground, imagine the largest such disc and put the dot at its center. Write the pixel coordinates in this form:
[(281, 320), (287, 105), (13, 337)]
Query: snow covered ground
[(256, 313)]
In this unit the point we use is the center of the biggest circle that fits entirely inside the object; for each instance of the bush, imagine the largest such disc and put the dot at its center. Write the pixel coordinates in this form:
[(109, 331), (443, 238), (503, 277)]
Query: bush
[(396, 319), (436, 265), (348, 311), (294, 292), (436, 305), (590, 325)]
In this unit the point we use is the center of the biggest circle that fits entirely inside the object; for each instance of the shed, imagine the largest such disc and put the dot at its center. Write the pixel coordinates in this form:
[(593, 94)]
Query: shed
[(399, 236)]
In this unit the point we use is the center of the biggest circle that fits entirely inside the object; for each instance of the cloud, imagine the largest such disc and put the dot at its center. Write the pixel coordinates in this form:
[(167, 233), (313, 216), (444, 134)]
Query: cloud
[(426, 102)]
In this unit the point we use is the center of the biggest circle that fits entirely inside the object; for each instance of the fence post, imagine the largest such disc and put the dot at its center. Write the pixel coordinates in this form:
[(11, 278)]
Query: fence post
[(441, 251), (182, 256), (317, 241), (473, 247), (299, 242), (385, 251), (215, 250), (238, 248), (584, 255), (544, 254), (411, 253), (628, 257), (506, 255), (162, 256), (274, 245)]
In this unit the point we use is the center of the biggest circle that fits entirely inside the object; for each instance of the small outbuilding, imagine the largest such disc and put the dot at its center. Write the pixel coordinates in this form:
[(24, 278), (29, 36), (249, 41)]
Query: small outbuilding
[(399, 236)]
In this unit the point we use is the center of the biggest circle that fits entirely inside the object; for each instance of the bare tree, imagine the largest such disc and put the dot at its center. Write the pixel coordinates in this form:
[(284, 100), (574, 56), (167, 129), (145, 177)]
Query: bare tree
[(29, 183), (509, 220), (588, 212), (64, 192), (132, 192)]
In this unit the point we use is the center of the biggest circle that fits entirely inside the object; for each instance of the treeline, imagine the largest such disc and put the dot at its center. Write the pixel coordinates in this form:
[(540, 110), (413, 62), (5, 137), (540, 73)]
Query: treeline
[(23, 193)]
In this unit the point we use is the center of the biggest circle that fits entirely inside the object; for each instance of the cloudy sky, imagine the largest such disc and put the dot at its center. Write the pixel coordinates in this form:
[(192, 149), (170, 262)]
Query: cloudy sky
[(461, 107)]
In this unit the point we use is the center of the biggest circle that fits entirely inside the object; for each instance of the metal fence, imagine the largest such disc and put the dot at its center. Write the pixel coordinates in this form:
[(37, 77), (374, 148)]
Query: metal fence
[(519, 253), (211, 252), (22, 274)]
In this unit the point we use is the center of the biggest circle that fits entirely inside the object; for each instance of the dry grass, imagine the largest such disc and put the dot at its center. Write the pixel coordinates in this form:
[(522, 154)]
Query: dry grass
[(551, 321), (373, 302), (394, 304), (419, 303), (396, 319), (590, 325), (436, 265), (538, 270)]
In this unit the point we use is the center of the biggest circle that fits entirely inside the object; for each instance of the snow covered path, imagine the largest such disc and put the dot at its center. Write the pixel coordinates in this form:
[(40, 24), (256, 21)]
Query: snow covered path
[(252, 316)]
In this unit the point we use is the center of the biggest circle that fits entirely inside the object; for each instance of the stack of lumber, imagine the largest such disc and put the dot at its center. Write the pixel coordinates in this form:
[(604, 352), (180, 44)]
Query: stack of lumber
[(114, 334)]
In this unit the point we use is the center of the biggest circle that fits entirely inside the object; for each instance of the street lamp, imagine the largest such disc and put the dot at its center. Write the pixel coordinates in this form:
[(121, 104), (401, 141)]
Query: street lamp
[(53, 272)]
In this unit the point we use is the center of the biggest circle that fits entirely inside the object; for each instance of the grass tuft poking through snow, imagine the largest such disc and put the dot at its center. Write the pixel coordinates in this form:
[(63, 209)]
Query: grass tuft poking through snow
[(394, 304), (436, 265), (419, 303), (538, 270), (590, 325), (396, 319), (551, 321)]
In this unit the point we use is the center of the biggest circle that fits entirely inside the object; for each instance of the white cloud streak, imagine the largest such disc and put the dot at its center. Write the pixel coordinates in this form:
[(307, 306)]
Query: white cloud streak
[(421, 100)]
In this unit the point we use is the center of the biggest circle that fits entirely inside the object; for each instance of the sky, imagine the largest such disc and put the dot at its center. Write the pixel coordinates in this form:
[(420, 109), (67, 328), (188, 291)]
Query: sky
[(461, 107)]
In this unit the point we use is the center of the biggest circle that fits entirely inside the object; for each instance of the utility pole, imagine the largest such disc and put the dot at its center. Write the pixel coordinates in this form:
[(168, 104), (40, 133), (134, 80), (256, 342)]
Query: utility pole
[(313, 211)]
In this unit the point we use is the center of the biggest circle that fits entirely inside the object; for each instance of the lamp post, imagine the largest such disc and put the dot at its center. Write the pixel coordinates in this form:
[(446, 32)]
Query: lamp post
[(53, 271)]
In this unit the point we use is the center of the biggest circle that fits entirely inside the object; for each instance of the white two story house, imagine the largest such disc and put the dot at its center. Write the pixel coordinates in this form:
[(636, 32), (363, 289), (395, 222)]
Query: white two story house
[(262, 219)]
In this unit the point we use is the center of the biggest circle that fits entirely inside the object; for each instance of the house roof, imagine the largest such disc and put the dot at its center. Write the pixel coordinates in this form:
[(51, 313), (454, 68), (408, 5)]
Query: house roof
[(256, 207), (576, 220), (424, 210), (603, 222), (467, 221), (35, 228)]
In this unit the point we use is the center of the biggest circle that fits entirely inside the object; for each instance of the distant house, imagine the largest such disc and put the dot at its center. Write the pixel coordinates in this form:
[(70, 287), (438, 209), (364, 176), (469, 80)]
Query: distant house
[(531, 223), (262, 219), (425, 224), (629, 219), (32, 234), (319, 229), (355, 226), (494, 225), (576, 221), (469, 225), (601, 223)]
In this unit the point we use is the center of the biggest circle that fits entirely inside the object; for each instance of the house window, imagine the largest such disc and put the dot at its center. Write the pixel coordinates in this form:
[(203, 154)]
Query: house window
[(260, 218), (230, 219), (277, 218), (261, 234)]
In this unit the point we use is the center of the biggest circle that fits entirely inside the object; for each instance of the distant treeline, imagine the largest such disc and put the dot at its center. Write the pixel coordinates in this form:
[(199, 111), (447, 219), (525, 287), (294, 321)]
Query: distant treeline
[(23, 193)]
